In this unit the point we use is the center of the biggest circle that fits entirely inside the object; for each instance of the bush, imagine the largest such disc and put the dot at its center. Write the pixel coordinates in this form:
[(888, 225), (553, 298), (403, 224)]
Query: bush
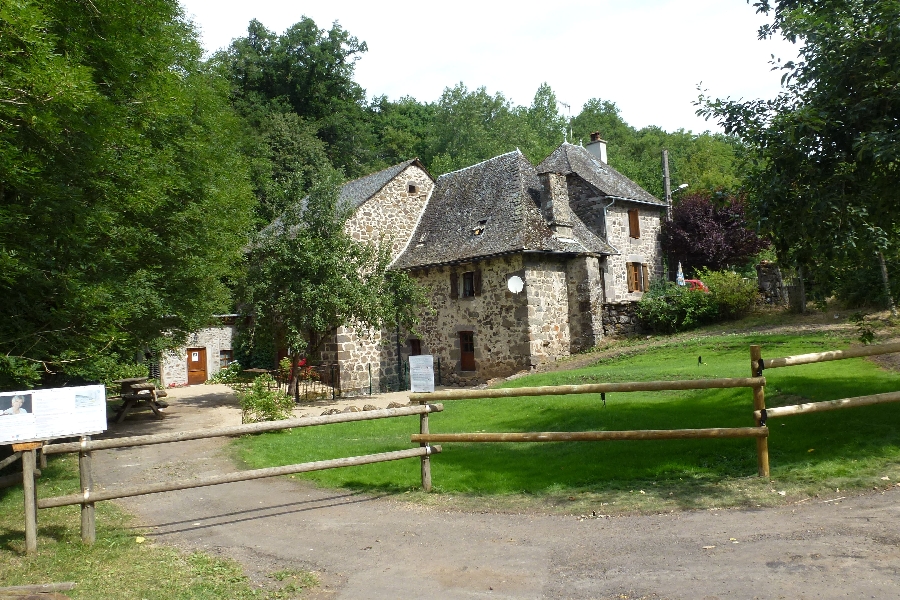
[(230, 374), (264, 401), (669, 308), (733, 296)]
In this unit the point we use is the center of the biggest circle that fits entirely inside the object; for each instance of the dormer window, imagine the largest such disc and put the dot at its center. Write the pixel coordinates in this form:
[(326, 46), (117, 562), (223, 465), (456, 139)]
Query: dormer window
[(479, 227)]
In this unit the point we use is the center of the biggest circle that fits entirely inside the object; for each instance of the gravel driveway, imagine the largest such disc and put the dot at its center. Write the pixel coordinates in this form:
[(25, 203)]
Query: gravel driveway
[(366, 547)]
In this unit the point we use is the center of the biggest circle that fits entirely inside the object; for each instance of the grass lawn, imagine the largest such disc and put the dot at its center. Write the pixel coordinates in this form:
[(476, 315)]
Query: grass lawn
[(809, 455), (117, 566)]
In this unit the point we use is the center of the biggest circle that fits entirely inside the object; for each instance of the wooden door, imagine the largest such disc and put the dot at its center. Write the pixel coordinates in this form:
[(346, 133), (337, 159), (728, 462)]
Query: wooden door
[(196, 365), (466, 351)]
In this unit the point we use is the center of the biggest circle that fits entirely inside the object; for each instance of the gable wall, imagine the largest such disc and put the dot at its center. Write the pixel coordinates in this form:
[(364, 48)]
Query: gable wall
[(392, 212), (645, 249)]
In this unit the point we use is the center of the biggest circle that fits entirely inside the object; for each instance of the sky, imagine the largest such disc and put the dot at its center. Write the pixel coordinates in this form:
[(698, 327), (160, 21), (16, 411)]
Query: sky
[(647, 56)]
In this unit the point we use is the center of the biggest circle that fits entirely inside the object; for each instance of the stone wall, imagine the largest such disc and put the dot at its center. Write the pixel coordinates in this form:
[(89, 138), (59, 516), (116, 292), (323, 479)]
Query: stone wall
[(771, 285), (393, 212), (645, 249), (585, 287), (546, 287), (173, 364), (620, 320)]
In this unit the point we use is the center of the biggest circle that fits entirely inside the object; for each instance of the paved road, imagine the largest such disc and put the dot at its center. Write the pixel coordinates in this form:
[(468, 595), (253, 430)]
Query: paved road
[(377, 548)]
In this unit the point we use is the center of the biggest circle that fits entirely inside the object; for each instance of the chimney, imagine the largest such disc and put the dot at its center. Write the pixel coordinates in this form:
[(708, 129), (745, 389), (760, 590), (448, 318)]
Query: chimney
[(597, 147), (555, 203)]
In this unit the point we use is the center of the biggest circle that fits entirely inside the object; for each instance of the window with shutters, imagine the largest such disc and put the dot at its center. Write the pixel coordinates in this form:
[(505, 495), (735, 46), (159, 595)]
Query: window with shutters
[(468, 285), (638, 276), (634, 223)]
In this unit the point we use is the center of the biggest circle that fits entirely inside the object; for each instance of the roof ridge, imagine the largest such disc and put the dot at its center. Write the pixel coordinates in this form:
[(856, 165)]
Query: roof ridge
[(516, 151)]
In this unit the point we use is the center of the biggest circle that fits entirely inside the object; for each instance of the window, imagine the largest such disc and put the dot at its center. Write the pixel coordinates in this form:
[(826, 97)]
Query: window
[(466, 351), (226, 357), (638, 276), (466, 286), (634, 224), (412, 188), (415, 347)]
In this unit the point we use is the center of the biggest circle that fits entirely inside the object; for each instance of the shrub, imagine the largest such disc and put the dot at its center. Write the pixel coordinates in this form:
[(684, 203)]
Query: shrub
[(264, 401), (669, 308), (230, 374), (733, 296)]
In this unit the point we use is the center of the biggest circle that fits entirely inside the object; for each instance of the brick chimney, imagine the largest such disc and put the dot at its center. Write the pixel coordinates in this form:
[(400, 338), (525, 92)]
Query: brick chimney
[(555, 203), (597, 147)]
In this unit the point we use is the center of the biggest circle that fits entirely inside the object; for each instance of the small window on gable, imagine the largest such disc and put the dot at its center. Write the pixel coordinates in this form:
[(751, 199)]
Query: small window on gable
[(412, 188), (479, 227), (634, 224)]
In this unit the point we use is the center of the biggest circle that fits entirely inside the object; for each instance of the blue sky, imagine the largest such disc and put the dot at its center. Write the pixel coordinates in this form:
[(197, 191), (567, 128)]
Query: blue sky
[(647, 56)]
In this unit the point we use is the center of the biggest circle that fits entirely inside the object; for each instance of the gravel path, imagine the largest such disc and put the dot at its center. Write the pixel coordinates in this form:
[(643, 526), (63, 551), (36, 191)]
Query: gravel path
[(366, 547)]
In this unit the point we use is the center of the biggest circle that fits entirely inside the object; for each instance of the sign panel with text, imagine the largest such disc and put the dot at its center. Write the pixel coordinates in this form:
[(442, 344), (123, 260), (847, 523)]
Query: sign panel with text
[(34, 415), (421, 373)]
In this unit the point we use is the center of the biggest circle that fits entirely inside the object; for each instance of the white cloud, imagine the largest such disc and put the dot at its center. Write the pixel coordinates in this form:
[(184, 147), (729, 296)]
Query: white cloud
[(648, 56)]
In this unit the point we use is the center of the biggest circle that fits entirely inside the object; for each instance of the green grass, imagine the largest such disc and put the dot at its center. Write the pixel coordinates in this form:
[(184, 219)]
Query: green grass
[(117, 566), (809, 454)]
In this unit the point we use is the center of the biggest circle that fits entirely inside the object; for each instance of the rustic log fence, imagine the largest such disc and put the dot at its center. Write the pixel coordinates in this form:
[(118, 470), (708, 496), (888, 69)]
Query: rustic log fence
[(89, 495), (758, 365), (760, 433)]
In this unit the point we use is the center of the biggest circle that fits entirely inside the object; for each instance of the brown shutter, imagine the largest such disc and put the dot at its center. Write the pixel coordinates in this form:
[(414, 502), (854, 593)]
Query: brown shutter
[(645, 285), (454, 285), (634, 224), (476, 280), (629, 270)]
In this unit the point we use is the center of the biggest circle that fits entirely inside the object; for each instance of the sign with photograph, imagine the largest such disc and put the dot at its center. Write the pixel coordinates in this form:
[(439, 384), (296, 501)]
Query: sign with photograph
[(421, 373), (35, 415)]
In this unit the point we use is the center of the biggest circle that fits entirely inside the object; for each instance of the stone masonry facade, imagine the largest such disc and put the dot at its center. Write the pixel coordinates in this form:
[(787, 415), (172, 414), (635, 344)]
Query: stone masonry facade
[(173, 364), (645, 250)]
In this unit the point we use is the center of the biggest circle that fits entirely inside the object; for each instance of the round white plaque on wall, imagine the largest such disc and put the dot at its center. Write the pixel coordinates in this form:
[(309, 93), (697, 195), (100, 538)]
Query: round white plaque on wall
[(515, 284)]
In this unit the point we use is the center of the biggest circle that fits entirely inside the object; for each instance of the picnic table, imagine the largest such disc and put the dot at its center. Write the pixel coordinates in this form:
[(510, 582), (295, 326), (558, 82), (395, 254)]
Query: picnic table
[(137, 391)]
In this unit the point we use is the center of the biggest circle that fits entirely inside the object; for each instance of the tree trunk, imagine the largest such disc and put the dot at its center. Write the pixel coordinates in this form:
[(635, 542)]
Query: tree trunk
[(294, 385), (801, 291), (887, 284)]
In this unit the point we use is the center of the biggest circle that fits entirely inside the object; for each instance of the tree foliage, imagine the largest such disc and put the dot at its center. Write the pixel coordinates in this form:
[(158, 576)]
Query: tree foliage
[(123, 201), (709, 233), (307, 277), (826, 150)]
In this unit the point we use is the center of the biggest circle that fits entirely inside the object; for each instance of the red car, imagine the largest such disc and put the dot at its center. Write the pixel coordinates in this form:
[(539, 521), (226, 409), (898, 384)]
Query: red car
[(696, 284)]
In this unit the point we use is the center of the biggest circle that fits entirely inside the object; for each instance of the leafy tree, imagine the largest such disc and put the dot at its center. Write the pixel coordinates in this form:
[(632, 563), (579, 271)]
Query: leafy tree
[(307, 71), (307, 277), (123, 198), (704, 233), (826, 150), (545, 123)]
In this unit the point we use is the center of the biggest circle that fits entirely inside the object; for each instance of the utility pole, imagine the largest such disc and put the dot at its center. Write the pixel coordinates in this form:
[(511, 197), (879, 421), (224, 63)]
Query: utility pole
[(667, 188)]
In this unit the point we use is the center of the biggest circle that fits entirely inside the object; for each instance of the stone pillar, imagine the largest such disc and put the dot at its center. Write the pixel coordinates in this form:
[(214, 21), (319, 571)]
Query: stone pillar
[(770, 283), (585, 287)]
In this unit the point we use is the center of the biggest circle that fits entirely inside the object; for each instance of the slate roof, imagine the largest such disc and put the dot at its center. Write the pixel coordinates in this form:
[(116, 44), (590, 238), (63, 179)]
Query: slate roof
[(359, 190), (568, 158), (500, 198)]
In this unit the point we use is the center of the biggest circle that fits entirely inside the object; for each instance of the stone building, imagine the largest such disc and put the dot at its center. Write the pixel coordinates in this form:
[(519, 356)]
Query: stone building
[(521, 264), (205, 353)]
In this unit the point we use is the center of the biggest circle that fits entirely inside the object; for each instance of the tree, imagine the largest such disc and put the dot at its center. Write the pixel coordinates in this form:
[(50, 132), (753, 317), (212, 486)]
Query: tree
[(123, 198), (307, 277), (826, 150), (710, 234)]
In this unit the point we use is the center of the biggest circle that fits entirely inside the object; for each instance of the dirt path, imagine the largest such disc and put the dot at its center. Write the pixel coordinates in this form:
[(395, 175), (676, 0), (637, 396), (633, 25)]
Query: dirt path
[(367, 547)]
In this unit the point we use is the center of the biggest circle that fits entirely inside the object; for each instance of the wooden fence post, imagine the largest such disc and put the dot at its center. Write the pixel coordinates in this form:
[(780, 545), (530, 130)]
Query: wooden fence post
[(426, 460), (88, 520), (29, 460), (759, 403)]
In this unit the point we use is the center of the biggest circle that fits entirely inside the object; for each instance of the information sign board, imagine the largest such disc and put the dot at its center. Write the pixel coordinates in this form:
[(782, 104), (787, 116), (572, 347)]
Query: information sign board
[(35, 415), (421, 373)]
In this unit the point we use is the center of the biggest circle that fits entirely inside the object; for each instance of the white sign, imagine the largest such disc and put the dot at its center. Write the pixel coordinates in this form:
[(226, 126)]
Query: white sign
[(35, 415), (421, 373), (195, 356)]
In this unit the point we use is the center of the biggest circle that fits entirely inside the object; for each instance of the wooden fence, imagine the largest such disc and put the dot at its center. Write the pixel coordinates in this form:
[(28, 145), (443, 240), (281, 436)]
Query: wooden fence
[(89, 496), (756, 383)]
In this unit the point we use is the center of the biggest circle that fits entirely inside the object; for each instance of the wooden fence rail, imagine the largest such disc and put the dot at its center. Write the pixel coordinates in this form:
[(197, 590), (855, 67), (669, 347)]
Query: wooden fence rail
[(817, 357), (89, 496), (593, 388), (811, 407), (596, 436), (156, 488)]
